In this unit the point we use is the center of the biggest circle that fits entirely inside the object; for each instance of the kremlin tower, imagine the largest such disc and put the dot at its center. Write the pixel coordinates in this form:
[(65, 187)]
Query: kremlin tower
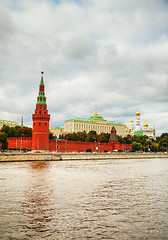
[(41, 118)]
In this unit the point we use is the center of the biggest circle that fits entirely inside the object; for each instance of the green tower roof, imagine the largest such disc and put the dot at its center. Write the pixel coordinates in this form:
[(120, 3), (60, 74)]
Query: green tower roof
[(42, 83), (41, 99)]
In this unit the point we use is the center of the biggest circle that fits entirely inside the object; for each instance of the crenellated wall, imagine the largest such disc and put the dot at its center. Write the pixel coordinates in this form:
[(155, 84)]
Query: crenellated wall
[(69, 146)]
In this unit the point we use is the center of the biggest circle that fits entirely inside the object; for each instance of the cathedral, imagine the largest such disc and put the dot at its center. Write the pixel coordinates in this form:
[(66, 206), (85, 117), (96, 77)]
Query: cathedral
[(138, 130)]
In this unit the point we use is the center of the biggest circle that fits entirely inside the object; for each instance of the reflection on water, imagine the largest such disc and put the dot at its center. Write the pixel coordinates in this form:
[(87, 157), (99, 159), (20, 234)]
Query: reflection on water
[(117, 199)]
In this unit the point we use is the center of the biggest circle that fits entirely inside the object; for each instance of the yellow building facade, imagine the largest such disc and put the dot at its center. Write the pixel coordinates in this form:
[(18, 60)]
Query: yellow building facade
[(9, 123), (94, 123)]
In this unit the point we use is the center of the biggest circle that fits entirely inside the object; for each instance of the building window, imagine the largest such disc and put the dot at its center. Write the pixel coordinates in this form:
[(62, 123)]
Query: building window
[(39, 124), (45, 124)]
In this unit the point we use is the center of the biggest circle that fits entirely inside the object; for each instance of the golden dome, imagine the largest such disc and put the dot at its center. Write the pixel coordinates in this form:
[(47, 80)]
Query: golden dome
[(131, 120), (145, 124), (96, 115), (137, 113)]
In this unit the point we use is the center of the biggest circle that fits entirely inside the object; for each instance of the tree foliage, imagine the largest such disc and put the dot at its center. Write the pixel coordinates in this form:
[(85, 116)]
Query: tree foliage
[(3, 141), (86, 137), (136, 146), (51, 136), (16, 131)]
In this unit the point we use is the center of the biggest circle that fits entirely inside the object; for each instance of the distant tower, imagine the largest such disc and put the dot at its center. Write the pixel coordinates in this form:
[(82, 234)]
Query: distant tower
[(22, 121), (131, 125), (154, 131), (113, 135), (41, 118), (138, 123)]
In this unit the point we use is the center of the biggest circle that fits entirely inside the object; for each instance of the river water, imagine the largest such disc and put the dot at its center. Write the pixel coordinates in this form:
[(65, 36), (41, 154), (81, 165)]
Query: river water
[(107, 199)]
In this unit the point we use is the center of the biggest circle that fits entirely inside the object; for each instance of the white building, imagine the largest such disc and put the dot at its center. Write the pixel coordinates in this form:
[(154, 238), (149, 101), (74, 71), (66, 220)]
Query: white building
[(138, 130)]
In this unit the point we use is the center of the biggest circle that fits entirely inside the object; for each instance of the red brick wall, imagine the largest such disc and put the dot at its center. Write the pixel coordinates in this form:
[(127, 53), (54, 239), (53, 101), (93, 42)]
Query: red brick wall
[(69, 146), (20, 143), (75, 146)]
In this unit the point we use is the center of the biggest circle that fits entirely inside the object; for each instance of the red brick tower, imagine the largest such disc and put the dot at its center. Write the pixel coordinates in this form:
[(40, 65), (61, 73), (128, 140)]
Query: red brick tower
[(113, 136), (41, 118)]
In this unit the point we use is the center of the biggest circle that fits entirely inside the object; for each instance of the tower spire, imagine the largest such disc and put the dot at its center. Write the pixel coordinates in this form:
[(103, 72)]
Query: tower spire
[(41, 99), (22, 121), (42, 83)]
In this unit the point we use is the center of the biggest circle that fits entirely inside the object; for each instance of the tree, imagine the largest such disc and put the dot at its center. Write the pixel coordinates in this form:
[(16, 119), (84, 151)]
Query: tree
[(24, 132), (136, 146), (102, 138), (120, 139), (164, 135), (3, 140), (13, 132), (6, 129), (51, 136), (128, 139), (91, 136), (163, 143)]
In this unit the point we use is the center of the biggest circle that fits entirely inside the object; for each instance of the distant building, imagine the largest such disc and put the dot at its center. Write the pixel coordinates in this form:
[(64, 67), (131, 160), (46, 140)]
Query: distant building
[(8, 123), (138, 130), (94, 123)]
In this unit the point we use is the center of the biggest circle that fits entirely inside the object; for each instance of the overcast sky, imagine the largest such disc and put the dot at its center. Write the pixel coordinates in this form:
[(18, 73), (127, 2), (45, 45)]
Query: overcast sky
[(109, 53)]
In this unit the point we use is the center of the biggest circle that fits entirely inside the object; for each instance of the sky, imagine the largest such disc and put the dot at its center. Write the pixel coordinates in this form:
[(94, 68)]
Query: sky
[(112, 54)]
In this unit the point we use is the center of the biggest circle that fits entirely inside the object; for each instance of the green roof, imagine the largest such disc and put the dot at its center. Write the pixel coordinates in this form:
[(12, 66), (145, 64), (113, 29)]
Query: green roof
[(91, 121), (115, 123), (42, 82), (97, 117), (41, 99), (138, 133), (8, 122), (54, 128), (80, 119)]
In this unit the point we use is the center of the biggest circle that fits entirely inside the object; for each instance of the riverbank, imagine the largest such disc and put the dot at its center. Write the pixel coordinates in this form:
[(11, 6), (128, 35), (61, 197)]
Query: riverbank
[(17, 156)]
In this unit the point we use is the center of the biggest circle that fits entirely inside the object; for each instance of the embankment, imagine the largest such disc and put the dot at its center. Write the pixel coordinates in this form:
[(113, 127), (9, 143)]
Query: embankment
[(18, 157)]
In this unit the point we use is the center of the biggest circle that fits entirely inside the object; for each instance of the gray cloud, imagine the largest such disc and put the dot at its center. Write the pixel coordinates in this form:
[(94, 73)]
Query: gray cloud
[(110, 53)]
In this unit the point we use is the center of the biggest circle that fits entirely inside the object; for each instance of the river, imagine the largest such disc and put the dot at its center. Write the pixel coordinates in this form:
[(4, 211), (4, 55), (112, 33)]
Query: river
[(107, 199)]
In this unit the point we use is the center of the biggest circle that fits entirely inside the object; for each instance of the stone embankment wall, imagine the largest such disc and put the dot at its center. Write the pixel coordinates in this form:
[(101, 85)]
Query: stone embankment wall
[(21, 157)]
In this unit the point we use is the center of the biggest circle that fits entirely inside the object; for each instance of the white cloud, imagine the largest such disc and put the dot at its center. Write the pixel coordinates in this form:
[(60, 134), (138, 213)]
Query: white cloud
[(110, 53)]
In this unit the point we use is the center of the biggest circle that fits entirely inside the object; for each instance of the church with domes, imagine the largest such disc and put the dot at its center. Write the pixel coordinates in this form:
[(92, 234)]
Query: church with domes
[(138, 130)]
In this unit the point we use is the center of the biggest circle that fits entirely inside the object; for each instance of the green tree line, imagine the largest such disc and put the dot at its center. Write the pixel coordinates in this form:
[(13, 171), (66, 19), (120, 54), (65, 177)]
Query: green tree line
[(92, 136)]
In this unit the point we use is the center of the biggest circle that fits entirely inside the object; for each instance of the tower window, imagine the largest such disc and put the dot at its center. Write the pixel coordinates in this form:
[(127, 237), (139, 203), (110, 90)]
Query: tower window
[(39, 124), (45, 124)]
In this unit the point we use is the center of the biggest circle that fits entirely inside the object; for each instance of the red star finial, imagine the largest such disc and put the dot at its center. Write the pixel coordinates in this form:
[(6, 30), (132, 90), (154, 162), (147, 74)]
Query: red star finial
[(42, 72)]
